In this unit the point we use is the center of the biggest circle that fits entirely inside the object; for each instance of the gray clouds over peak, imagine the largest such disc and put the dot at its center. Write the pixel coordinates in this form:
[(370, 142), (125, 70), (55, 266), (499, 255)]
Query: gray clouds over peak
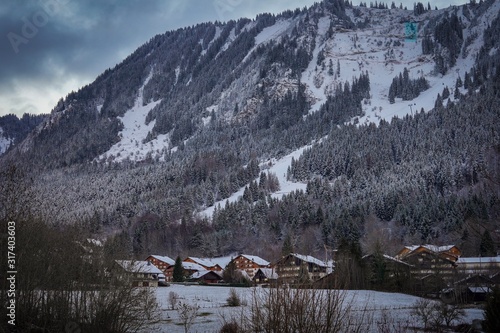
[(50, 47)]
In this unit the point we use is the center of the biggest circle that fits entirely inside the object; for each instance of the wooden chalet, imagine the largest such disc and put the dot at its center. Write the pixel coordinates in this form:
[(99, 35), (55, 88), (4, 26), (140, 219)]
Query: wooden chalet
[(297, 269), (250, 264), (430, 260), (265, 275), (161, 262), (138, 273), (206, 277)]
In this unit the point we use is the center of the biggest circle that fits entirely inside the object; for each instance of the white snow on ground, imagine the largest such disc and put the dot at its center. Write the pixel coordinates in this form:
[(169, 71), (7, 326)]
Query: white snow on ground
[(277, 167), (135, 131), (212, 300), (4, 142)]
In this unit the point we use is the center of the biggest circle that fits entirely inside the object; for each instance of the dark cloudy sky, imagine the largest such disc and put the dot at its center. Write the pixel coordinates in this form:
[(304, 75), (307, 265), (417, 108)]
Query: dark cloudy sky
[(50, 47)]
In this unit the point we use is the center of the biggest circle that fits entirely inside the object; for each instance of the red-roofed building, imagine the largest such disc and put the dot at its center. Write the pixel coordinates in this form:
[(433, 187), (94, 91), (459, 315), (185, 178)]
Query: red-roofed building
[(250, 264)]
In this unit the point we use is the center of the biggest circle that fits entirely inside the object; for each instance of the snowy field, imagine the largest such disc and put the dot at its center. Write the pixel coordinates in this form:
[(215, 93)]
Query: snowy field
[(212, 306)]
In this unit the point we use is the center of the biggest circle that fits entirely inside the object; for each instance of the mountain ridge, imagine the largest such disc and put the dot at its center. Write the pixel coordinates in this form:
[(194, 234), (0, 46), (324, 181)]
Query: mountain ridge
[(200, 115)]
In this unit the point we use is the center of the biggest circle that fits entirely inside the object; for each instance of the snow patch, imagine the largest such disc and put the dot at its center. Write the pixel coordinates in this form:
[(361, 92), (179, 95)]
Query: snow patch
[(4, 142), (132, 145), (278, 167)]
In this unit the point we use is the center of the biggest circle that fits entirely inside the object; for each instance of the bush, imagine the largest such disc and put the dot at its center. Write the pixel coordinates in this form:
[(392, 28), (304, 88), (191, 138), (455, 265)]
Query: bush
[(234, 298), (284, 309), (231, 327)]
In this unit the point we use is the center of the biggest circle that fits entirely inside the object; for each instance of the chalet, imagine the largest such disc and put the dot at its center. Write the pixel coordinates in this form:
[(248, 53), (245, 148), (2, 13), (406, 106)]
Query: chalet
[(265, 275), (250, 264), (161, 262), (450, 252), (206, 277), (208, 264), (296, 268), (138, 273), (430, 260)]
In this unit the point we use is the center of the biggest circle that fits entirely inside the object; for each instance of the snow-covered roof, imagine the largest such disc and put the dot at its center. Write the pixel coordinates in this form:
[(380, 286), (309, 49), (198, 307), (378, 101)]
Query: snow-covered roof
[(310, 259), (165, 259), (433, 248), (222, 261), (192, 266), (480, 290), (200, 274), (269, 273), (138, 266), (203, 261), (478, 260), (244, 274), (256, 259)]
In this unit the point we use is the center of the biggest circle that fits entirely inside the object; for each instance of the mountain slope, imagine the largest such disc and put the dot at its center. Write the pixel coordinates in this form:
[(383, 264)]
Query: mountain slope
[(207, 119)]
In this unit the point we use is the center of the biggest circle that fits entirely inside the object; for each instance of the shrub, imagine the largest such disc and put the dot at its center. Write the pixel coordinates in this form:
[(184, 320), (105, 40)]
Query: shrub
[(234, 298)]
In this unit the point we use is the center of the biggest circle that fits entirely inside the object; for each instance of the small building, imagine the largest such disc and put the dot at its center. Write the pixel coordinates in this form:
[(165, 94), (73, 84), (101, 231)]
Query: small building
[(250, 264), (138, 273), (265, 275), (297, 269), (205, 277)]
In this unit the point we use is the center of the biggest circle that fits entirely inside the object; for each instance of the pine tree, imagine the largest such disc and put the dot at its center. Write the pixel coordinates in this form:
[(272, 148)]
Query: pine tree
[(178, 273), (487, 247), (287, 246)]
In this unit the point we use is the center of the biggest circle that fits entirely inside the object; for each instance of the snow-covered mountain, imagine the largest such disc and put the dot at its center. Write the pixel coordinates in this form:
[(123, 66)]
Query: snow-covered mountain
[(197, 119), (162, 95)]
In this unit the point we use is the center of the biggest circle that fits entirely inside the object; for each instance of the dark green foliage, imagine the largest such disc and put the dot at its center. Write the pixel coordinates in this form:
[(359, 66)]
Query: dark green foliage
[(287, 247), (407, 89), (178, 273), (487, 247), (18, 128), (448, 34), (232, 275)]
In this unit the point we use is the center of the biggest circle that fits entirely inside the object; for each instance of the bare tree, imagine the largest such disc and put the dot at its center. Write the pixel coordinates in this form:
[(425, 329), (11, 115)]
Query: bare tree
[(187, 314), (424, 310)]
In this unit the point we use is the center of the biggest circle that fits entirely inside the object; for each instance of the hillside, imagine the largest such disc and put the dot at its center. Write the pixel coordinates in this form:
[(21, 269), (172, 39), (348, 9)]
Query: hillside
[(325, 124)]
